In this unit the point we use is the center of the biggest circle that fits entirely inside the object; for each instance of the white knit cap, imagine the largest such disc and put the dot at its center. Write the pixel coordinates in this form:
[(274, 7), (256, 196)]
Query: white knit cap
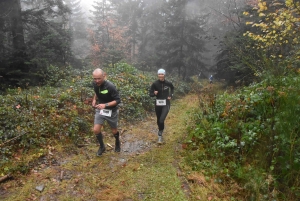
[(161, 71)]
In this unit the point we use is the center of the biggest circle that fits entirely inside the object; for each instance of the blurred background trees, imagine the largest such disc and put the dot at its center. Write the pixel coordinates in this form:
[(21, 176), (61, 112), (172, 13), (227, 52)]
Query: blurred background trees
[(226, 39), (33, 35)]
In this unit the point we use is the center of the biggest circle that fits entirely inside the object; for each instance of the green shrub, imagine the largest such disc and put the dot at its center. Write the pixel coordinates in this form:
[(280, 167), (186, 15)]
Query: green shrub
[(38, 115), (252, 133), (34, 117), (133, 87)]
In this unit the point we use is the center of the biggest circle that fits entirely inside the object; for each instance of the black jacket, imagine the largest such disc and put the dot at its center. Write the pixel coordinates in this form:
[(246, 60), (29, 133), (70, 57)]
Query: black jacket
[(165, 89)]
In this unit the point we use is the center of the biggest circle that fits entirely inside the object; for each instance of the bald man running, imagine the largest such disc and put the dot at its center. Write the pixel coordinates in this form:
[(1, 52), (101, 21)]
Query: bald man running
[(105, 100)]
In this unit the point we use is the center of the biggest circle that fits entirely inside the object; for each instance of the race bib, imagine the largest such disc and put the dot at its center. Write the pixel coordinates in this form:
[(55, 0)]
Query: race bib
[(105, 112), (161, 102)]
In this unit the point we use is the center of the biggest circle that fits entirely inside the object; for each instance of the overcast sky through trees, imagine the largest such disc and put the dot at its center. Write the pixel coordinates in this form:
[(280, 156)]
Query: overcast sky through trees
[(87, 5)]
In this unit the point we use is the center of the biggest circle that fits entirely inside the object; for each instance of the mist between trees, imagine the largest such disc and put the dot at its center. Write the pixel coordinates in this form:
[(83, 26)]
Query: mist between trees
[(183, 36), (186, 37), (238, 41)]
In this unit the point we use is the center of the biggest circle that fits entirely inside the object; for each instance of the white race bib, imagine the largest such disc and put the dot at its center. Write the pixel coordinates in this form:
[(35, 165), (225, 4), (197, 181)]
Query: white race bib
[(161, 102), (105, 112)]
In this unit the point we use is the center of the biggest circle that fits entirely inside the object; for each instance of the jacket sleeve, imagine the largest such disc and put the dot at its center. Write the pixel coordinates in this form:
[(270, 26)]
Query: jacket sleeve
[(172, 89), (151, 91)]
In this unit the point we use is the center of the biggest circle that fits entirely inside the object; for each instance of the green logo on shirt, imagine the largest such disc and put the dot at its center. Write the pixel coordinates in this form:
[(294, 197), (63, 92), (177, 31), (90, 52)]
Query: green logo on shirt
[(104, 91)]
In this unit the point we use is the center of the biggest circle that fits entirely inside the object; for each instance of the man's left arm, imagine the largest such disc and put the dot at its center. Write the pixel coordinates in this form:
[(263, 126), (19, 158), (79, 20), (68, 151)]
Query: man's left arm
[(172, 91), (115, 96)]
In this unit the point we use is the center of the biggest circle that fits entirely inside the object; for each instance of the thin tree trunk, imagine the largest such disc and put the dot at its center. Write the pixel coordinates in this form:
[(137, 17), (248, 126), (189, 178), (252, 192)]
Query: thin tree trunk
[(18, 69), (17, 27)]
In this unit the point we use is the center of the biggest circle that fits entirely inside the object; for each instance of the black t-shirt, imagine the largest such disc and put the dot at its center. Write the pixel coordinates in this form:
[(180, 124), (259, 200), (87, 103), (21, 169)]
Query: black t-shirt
[(107, 92)]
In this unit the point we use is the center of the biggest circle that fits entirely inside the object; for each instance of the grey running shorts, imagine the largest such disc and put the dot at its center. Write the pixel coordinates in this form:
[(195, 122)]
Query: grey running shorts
[(112, 121)]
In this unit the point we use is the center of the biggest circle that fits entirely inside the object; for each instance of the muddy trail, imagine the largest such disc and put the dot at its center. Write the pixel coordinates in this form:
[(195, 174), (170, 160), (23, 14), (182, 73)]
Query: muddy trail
[(143, 170)]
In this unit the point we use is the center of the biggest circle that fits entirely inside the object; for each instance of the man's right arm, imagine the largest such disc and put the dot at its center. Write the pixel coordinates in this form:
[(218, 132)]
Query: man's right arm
[(94, 100)]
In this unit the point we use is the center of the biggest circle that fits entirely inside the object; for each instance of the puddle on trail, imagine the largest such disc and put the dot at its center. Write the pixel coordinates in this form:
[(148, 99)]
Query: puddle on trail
[(130, 147), (135, 147)]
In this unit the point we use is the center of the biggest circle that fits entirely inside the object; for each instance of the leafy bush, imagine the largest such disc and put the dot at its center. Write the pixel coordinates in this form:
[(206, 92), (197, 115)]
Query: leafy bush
[(250, 134), (38, 115), (35, 117), (133, 87)]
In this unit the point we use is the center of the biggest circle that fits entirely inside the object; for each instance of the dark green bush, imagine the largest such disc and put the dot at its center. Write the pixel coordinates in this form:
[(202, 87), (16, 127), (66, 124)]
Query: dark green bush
[(61, 110), (252, 136)]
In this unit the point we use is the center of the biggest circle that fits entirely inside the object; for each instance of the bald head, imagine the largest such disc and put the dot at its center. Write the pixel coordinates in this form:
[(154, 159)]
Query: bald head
[(98, 71), (98, 76)]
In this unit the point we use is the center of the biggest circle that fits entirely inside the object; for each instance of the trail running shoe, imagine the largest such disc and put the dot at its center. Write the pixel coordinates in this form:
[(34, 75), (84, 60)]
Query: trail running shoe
[(117, 145), (100, 151), (160, 140)]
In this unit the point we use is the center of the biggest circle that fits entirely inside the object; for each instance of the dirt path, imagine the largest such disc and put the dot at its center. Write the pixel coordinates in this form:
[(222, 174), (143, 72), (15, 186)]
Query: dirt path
[(142, 171)]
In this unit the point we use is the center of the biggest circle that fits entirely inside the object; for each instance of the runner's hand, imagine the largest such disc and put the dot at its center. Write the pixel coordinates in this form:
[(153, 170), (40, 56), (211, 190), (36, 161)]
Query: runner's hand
[(100, 106)]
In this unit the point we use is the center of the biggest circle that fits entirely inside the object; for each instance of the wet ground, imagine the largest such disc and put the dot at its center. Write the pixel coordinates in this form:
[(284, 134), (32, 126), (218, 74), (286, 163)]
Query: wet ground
[(66, 170), (135, 140)]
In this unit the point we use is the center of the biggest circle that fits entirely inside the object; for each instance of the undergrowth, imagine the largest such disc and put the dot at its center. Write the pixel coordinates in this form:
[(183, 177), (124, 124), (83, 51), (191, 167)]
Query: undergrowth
[(250, 136), (33, 118)]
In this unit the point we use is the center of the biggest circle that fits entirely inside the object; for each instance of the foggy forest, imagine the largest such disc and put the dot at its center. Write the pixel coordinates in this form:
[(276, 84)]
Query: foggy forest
[(183, 37), (233, 131)]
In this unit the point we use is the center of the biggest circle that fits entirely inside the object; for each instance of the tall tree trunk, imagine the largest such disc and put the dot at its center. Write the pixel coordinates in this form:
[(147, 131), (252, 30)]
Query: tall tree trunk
[(2, 39), (133, 48), (18, 67), (17, 27), (4, 12)]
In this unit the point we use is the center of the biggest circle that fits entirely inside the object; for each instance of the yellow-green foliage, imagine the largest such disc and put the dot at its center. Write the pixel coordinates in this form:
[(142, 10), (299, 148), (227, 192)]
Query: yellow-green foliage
[(278, 27), (275, 33)]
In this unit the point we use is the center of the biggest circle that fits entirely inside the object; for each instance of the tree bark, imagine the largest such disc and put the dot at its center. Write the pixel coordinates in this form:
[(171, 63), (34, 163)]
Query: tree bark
[(4, 13), (18, 69), (17, 26)]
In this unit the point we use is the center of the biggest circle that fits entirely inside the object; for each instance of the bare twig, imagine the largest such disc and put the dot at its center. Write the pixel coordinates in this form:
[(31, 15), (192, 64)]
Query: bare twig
[(61, 175), (12, 139), (2, 179), (228, 17), (123, 131)]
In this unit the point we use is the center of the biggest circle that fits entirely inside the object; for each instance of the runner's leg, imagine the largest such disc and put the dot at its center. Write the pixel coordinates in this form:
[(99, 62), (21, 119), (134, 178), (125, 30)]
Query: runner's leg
[(98, 124), (163, 116), (113, 122)]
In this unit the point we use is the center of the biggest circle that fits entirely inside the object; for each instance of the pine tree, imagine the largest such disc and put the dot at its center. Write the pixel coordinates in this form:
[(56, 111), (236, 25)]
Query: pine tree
[(77, 22), (34, 36), (15, 69), (181, 42), (107, 36), (79, 30)]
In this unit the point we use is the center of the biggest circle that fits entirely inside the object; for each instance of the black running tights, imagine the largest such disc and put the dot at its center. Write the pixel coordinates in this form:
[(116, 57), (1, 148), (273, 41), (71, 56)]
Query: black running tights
[(161, 114)]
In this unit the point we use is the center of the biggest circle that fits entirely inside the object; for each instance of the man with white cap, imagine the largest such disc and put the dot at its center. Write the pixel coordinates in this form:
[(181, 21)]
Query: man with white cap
[(163, 90)]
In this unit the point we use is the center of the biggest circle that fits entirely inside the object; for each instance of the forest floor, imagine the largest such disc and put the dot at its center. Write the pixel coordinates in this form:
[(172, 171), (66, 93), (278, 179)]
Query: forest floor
[(143, 170)]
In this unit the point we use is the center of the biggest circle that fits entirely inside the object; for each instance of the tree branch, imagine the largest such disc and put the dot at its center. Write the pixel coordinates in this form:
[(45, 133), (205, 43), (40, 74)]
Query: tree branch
[(12, 139), (234, 22)]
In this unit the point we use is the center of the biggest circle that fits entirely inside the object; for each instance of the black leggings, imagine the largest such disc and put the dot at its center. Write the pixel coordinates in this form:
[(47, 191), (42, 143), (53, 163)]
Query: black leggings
[(161, 114)]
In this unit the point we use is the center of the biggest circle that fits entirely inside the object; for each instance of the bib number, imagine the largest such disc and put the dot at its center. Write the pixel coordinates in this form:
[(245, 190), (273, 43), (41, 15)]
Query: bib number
[(161, 102), (105, 112)]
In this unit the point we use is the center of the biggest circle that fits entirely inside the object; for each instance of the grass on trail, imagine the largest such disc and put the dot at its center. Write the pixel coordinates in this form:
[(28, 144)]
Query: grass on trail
[(153, 173)]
